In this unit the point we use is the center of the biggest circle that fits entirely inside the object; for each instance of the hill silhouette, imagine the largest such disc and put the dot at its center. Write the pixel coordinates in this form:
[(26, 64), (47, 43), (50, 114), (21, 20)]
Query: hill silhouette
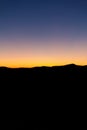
[(50, 92)]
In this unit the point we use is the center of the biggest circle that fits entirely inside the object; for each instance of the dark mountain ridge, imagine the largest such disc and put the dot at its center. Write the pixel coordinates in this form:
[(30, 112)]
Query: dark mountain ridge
[(50, 93), (45, 76)]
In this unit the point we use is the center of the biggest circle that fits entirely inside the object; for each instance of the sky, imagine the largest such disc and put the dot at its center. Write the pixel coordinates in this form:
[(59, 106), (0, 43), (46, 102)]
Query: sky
[(43, 32)]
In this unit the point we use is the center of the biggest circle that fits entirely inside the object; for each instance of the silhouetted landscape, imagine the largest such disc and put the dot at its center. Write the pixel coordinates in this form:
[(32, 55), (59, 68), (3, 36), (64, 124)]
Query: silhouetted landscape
[(42, 34), (50, 92), (12, 123), (63, 87), (44, 75)]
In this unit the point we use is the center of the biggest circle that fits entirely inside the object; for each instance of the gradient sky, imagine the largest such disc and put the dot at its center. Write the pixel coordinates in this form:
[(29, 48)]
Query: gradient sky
[(43, 32)]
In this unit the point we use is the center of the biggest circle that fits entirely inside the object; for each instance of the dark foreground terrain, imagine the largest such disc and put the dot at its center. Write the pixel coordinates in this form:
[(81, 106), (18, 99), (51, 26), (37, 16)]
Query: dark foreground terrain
[(47, 96), (12, 123)]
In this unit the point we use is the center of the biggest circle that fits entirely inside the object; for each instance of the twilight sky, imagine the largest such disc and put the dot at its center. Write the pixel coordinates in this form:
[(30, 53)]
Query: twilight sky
[(43, 32)]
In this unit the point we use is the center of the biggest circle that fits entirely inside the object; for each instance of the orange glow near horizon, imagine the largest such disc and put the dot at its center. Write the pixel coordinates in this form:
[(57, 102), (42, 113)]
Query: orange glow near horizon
[(17, 64), (50, 54), (40, 62)]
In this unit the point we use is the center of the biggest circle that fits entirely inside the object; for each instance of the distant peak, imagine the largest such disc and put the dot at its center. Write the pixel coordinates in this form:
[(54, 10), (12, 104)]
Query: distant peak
[(71, 65)]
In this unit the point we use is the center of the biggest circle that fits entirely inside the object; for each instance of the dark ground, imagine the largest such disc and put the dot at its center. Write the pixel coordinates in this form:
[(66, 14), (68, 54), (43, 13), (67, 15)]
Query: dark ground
[(12, 123), (45, 96)]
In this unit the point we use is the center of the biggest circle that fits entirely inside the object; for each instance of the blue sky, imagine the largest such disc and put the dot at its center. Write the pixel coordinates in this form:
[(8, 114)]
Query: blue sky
[(37, 24)]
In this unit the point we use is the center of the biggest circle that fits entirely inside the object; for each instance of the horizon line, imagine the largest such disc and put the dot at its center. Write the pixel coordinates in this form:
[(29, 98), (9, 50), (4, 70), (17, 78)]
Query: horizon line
[(72, 64)]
